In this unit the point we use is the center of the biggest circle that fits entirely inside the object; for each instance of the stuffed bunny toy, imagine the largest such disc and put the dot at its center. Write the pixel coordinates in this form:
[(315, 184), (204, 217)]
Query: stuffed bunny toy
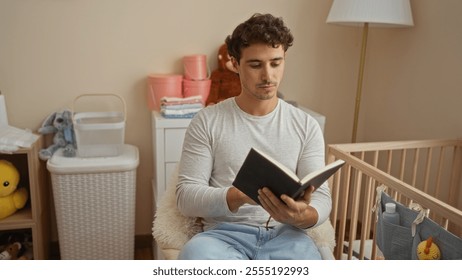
[(59, 123)]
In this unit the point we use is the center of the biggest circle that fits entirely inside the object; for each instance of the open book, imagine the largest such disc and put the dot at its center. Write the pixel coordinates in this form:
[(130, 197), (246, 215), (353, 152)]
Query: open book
[(260, 170)]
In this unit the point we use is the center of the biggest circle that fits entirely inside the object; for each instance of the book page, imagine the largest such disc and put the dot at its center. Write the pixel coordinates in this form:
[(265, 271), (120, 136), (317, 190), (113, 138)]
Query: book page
[(280, 165), (317, 178)]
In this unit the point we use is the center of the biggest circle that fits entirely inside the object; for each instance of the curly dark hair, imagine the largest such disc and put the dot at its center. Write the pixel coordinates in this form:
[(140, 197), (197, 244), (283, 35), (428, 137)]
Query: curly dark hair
[(259, 28)]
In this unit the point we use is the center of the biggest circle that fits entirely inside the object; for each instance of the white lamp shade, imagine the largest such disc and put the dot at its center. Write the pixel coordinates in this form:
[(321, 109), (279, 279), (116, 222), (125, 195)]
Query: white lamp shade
[(379, 13)]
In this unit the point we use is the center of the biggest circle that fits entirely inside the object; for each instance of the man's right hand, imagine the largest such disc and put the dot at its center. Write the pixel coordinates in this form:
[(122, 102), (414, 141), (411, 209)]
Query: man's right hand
[(235, 199)]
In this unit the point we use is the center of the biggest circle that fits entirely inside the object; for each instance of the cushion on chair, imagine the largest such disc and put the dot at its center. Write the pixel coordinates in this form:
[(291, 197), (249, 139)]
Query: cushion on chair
[(171, 229), (324, 238)]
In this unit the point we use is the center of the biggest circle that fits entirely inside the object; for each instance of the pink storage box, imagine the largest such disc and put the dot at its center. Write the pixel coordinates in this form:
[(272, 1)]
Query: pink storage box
[(161, 85)]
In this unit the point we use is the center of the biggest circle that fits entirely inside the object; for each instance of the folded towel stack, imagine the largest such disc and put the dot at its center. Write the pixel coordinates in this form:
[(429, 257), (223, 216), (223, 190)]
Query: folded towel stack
[(180, 108)]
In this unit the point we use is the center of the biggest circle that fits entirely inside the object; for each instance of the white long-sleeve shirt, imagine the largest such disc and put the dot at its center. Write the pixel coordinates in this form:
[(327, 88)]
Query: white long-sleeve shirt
[(216, 144)]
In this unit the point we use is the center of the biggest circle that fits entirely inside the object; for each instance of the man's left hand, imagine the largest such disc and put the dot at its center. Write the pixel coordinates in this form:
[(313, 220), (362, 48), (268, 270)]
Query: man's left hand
[(289, 211)]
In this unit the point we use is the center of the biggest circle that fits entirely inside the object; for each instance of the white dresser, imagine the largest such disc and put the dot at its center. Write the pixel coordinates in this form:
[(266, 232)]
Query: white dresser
[(167, 141)]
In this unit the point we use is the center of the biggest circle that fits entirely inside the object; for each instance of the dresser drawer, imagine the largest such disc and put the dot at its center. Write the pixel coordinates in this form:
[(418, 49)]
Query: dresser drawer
[(170, 169), (174, 138)]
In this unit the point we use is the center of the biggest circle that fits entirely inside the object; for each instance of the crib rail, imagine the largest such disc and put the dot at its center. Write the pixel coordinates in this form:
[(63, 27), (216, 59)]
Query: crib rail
[(425, 173)]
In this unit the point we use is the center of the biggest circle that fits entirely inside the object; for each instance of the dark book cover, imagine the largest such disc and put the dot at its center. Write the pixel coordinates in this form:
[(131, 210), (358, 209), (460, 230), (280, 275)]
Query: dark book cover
[(260, 170)]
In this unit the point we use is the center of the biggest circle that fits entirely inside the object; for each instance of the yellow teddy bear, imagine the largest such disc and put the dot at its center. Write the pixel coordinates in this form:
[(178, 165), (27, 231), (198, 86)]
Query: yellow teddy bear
[(12, 198)]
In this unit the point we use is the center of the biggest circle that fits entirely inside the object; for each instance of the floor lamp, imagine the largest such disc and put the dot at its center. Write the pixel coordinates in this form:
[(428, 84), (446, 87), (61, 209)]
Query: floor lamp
[(365, 13)]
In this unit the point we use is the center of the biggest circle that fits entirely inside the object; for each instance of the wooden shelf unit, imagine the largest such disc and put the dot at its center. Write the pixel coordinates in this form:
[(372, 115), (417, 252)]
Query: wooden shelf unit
[(35, 216)]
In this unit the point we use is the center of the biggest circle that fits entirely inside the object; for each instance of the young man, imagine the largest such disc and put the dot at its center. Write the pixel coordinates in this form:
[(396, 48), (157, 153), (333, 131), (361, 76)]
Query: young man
[(217, 142)]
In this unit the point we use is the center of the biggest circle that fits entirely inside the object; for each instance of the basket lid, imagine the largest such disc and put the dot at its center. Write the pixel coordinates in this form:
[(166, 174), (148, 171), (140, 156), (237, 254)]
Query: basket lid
[(127, 160)]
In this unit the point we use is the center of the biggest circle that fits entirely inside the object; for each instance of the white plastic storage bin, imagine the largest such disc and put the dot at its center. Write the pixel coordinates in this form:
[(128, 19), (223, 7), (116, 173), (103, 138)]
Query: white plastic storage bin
[(95, 205), (99, 134)]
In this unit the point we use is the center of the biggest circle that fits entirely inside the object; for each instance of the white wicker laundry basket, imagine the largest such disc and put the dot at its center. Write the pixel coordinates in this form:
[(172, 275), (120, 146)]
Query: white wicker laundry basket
[(95, 205)]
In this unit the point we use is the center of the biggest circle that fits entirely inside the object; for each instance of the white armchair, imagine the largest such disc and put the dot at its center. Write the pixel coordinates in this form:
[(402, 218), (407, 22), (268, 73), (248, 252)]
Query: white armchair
[(171, 229)]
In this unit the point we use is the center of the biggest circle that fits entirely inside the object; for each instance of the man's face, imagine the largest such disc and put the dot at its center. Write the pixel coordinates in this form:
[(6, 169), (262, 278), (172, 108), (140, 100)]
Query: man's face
[(261, 70)]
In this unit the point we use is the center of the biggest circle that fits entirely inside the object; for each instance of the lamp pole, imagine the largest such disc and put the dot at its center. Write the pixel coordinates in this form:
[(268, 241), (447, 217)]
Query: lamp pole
[(362, 61)]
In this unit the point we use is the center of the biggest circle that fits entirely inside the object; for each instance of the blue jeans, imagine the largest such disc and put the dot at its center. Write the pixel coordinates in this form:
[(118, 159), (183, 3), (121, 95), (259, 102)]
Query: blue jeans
[(228, 241)]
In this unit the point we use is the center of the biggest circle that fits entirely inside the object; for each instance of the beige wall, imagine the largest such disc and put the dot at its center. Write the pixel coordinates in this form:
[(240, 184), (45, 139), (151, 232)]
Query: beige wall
[(51, 51)]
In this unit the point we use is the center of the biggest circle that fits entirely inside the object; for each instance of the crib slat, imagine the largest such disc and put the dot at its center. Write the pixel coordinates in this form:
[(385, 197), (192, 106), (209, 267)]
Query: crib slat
[(354, 212), (455, 175), (427, 169), (334, 187), (439, 173), (343, 203), (415, 166), (335, 194), (389, 161), (368, 204), (401, 171), (366, 217), (402, 164)]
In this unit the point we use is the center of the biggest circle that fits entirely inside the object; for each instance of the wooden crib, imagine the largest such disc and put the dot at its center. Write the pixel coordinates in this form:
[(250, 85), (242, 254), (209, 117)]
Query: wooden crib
[(423, 174)]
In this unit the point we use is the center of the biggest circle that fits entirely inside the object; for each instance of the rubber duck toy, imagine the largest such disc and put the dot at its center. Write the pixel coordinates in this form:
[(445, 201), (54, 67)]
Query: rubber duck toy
[(12, 198), (428, 250)]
